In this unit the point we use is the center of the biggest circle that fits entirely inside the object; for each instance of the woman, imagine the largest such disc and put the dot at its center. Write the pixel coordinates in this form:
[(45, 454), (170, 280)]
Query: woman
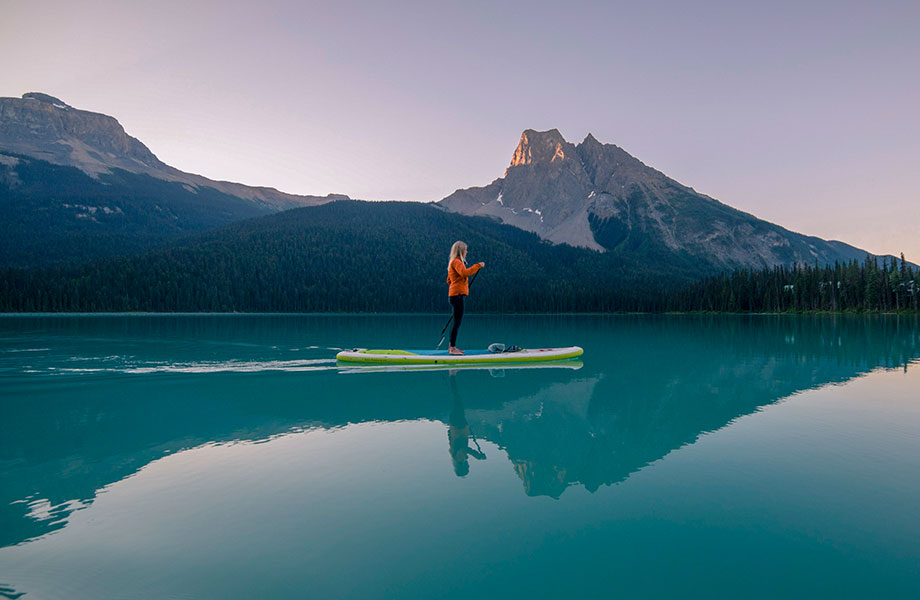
[(458, 277)]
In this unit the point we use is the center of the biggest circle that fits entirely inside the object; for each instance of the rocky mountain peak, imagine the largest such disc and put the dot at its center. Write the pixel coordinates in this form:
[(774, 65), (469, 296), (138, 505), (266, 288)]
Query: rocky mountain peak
[(537, 147), (590, 140), (599, 196), (47, 99), (45, 127)]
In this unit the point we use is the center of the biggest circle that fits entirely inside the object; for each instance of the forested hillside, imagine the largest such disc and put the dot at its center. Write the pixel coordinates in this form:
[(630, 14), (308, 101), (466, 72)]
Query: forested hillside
[(352, 256)]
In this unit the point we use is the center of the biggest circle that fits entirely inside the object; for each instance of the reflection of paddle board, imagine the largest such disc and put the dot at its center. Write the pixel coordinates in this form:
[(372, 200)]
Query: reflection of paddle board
[(441, 357), (392, 368)]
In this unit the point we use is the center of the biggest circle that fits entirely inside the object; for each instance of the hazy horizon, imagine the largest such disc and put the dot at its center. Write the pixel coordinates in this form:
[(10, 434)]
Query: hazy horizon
[(801, 115)]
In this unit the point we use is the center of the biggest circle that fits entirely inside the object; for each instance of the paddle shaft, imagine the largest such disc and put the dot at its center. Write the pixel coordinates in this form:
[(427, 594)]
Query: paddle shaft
[(446, 325)]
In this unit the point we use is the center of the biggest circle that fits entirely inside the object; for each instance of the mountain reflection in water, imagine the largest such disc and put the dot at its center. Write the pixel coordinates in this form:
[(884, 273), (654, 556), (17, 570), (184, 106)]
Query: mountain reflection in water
[(649, 385)]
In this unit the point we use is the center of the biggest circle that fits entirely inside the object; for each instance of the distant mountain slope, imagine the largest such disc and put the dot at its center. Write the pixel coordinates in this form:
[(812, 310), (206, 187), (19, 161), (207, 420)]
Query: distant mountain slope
[(74, 185), (349, 256), (54, 214), (600, 197)]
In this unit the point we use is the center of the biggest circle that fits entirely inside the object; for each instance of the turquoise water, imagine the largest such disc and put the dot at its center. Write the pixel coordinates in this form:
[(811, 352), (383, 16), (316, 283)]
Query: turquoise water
[(230, 457)]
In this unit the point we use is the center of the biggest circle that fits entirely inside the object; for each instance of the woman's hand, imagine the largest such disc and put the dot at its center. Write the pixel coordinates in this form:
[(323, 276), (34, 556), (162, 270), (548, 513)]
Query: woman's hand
[(482, 264)]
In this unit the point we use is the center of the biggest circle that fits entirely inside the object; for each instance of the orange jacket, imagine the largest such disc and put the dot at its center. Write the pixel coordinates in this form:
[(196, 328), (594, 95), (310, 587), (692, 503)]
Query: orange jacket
[(458, 277)]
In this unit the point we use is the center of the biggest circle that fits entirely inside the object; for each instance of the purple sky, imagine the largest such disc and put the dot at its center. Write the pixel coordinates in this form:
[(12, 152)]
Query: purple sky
[(802, 113)]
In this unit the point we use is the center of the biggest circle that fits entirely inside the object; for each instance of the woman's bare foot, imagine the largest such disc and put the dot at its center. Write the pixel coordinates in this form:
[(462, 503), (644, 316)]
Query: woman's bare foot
[(454, 350)]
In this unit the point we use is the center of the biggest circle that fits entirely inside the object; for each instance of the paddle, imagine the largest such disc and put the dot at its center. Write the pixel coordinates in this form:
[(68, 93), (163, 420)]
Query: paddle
[(446, 325)]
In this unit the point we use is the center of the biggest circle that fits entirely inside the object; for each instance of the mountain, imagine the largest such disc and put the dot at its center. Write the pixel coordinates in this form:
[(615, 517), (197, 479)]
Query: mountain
[(91, 220), (43, 127), (74, 186), (598, 196)]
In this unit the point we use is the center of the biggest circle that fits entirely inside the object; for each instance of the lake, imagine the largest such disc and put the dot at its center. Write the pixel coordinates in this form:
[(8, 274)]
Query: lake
[(228, 456)]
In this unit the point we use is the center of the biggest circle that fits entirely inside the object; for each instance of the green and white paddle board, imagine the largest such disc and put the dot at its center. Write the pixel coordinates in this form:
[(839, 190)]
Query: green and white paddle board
[(442, 357)]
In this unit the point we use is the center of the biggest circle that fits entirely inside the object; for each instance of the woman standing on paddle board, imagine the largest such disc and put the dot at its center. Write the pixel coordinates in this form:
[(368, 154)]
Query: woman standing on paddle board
[(458, 278)]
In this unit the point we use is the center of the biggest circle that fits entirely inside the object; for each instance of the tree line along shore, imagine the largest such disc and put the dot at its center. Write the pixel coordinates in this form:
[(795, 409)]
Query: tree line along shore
[(218, 283)]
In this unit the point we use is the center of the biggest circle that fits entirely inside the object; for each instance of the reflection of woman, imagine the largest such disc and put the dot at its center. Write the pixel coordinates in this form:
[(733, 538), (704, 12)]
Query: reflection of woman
[(458, 276), (458, 434)]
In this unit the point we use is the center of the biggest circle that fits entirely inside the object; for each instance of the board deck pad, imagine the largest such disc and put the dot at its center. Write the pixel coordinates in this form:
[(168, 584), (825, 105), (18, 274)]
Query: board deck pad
[(419, 357)]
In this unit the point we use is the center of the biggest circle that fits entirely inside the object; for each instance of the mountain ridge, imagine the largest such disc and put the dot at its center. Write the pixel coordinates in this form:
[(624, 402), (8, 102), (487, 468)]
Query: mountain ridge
[(44, 127)]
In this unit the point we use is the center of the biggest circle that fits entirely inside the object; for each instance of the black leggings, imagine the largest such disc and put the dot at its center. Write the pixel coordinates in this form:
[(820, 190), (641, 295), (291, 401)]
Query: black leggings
[(457, 303)]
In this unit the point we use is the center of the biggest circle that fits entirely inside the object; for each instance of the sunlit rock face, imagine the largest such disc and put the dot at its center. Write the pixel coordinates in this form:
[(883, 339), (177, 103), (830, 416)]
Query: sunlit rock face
[(41, 126), (598, 196), (540, 147)]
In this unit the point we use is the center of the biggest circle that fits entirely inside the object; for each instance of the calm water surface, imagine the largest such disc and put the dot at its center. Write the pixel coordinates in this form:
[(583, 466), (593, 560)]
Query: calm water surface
[(230, 457)]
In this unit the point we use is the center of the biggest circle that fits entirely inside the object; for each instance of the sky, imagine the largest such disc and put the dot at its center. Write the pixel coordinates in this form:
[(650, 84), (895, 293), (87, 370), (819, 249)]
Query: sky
[(801, 113)]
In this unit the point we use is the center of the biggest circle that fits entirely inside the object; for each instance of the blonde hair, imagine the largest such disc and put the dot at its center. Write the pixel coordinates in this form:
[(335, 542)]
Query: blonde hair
[(458, 250)]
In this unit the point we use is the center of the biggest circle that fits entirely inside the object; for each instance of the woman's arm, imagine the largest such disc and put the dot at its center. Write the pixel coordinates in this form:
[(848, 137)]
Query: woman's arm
[(464, 271)]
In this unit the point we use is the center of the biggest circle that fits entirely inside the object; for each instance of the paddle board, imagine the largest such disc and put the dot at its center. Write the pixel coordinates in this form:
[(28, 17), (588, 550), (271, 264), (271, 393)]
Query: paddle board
[(349, 368), (442, 357)]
